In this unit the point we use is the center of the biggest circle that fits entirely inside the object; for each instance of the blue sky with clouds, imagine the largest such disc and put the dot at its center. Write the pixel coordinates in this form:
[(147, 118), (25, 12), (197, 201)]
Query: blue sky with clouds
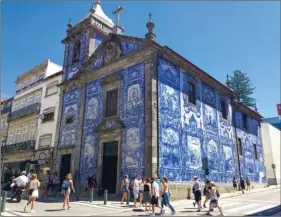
[(219, 37)]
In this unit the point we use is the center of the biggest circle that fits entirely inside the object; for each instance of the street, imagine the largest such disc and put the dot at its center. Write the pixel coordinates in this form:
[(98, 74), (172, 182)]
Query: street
[(258, 202)]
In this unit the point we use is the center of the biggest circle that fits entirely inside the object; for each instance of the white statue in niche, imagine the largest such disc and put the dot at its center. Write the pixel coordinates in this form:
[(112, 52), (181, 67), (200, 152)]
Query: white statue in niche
[(133, 96), (133, 139), (92, 111)]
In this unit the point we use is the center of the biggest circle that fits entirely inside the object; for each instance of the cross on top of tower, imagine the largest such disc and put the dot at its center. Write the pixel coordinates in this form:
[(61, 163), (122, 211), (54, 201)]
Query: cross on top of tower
[(117, 12)]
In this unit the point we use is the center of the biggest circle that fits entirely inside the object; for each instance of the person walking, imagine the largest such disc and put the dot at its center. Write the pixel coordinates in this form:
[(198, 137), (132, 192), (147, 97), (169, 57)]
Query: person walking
[(206, 192), (147, 194), (141, 182), (166, 197), (234, 183), (242, 184), (92, 183), (124, 188), (248, 183), (56, 184), (47, 183), (67, 186), (214, 199), (29, 176), (33, 192), (155, 196), (197, 192), (136, 190)]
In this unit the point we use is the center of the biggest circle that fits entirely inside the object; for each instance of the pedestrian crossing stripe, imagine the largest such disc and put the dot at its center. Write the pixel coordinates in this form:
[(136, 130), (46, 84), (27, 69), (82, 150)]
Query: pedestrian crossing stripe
[(7, 214), (100, 206), (260, 209), (242, 207)]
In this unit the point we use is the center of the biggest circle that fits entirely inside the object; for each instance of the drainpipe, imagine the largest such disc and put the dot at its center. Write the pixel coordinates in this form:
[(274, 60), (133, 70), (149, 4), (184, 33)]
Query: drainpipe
[(236, 141)]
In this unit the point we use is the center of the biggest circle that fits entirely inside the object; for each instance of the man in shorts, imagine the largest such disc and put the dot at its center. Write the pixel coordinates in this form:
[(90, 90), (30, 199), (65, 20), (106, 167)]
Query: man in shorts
[(136, 190), (197, 192), (155, 196)]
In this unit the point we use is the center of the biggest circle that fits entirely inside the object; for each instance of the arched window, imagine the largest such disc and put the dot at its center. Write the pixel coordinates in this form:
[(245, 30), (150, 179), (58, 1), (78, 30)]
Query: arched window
[(76, 51), (191, 93)]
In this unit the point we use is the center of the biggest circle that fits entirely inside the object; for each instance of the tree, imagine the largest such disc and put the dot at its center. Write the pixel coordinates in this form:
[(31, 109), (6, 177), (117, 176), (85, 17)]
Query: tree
[(243, 88)]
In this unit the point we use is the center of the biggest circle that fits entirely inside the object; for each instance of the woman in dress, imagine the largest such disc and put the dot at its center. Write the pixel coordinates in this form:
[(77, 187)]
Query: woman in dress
[(33, 192), (124, 188), (147, 194), (66, 186)]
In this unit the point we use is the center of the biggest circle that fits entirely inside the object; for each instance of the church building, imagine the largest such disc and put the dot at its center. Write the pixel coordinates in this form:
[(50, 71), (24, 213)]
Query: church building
[(132, 106)]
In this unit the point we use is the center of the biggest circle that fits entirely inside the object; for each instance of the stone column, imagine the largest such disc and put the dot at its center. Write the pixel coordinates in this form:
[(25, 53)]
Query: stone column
[(151, 118)]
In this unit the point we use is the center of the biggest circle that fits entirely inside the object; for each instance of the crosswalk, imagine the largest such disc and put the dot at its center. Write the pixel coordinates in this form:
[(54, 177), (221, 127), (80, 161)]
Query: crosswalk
[(230, 207)]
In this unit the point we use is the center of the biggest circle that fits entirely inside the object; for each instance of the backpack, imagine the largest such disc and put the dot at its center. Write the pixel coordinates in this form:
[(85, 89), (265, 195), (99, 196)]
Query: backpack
[(218, 194), (65, 185)]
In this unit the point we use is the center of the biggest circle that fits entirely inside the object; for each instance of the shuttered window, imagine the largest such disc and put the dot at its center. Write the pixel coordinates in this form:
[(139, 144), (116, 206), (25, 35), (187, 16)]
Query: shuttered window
[(111, 103)]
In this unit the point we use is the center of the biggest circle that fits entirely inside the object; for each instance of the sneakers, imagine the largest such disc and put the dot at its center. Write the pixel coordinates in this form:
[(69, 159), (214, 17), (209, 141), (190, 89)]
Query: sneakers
[(194, 204), (69, 208), (162, 212), (63, 209), (204, 206), (173, 213)]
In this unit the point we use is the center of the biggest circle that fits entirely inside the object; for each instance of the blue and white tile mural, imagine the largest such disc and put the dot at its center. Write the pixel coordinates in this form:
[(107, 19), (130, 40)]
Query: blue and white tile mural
[(131, 115), (98, 39), (250, 167), (70, 110), (72, 68), (187, 133)]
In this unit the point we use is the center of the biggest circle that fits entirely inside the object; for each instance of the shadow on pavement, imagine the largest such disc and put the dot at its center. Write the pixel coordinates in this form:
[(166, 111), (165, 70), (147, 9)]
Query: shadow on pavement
[(53, 210), (267, 212)]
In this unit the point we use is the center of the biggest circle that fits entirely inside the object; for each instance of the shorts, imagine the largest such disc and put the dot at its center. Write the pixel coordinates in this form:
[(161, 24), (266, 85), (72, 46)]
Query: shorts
[(197, 196), (141, 191), (33, 193), (235, 185), (136, 193), (214, 201), (154, 200), (243, 187), (124, 189)]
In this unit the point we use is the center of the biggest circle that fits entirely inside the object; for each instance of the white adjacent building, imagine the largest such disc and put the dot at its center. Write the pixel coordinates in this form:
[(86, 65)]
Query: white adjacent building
[(271, 149)]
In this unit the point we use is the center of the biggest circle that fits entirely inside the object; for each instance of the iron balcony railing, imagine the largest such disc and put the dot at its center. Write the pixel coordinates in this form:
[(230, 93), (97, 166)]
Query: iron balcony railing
[(25, 111), (21, 146)]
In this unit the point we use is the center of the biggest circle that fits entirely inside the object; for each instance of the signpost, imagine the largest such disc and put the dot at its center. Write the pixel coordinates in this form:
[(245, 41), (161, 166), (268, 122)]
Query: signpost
[(273, 166)]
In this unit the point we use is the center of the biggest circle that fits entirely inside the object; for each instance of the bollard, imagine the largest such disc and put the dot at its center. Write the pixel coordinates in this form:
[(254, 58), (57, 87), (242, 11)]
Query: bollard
[(128, 199), (189, 193), (91, 195), (105, 197), (4, 198)]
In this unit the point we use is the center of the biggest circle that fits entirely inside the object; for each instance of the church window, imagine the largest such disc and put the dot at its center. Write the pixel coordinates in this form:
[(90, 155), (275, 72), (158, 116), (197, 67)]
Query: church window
[(224, 110), (255, 151), (111, 103), (191, 93), (76, 51), (240, 147), (244, 121)]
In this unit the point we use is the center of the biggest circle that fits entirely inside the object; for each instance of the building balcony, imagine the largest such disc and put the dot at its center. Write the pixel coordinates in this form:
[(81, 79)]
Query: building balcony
[(34, 108), (21, 146)]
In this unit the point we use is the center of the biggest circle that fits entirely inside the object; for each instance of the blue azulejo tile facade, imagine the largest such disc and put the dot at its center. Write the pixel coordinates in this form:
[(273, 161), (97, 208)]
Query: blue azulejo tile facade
[(71, 68), (131, 115), (251, 163), (70, 118), (189, 133)]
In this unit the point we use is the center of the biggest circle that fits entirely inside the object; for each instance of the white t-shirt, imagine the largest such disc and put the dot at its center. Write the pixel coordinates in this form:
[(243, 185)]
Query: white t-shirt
[(22, 180), (155, 189), (136, 185)]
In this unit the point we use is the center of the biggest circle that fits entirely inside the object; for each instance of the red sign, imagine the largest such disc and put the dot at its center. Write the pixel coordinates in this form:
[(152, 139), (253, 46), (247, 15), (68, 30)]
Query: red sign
[(279, 109)]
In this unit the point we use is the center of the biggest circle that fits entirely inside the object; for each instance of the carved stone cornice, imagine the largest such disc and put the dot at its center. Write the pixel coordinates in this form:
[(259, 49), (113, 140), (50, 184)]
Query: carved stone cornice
[(111, 79)]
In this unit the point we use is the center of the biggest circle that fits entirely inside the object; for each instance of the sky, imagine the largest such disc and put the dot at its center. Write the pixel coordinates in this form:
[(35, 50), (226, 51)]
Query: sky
[(219, 37)]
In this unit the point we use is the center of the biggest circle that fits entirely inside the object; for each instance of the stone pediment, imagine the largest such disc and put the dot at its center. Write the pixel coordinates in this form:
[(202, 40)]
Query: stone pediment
[(112, 49), (110, 125)]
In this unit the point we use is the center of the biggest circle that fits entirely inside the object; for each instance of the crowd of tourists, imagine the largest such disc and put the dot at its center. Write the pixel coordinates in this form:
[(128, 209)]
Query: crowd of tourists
[(148, 192)]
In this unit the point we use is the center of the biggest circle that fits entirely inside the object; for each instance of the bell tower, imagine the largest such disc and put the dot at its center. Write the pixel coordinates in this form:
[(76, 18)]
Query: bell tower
[(83, 39)]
